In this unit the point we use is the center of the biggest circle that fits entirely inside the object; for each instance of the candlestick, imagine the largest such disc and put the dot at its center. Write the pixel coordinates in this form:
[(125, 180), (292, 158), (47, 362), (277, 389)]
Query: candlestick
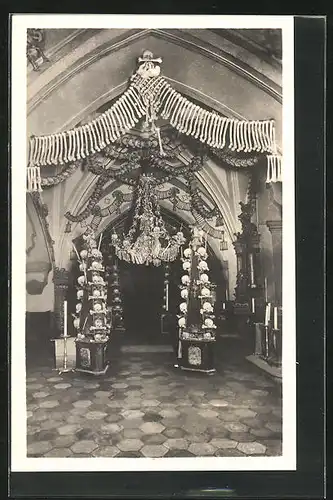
[(65, 318), (266, 291), (275, 318)]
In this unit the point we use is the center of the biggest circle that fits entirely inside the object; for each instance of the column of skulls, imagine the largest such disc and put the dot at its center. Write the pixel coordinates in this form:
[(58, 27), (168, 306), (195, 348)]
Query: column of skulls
[(90, 319)]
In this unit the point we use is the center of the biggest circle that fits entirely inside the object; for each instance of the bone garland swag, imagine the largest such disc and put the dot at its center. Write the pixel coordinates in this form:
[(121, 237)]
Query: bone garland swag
[(149, 95)]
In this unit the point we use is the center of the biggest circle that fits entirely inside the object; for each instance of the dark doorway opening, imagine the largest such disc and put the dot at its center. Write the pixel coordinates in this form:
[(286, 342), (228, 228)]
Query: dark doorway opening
[(142, 292)]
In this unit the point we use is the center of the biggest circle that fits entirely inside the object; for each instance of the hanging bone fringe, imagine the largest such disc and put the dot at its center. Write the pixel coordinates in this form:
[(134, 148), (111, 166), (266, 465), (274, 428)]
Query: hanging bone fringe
[(33, 179), (274, 168), (155, 95)]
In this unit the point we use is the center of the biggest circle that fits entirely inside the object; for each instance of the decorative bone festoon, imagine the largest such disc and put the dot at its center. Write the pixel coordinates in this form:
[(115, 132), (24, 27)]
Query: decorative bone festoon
[(150, 96)]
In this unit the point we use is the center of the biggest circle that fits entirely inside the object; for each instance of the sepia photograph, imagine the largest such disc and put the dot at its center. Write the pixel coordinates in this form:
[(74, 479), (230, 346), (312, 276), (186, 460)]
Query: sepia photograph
[(153, 315)]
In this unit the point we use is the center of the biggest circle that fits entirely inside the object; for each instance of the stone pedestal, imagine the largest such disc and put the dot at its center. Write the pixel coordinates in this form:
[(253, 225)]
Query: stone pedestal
[(197, 355), (91, 357)]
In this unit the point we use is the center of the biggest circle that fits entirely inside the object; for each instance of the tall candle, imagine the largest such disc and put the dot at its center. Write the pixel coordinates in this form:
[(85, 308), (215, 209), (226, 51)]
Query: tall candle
[(268, 314), (100, 241), (65, 318), (223, 305), (253, 305), (266, 291), (275, 318), (251, 268), (167, 297)]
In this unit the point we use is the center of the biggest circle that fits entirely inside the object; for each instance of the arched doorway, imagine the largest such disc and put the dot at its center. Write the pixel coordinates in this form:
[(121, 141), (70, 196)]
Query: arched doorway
[(142, 287)]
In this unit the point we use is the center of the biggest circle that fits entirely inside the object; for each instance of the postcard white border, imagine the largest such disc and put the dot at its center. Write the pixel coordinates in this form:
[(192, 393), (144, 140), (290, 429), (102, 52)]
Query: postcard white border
[(19, 461)]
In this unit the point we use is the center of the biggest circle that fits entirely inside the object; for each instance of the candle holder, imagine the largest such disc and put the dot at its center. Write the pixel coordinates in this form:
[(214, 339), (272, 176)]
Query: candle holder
[(64, 363)]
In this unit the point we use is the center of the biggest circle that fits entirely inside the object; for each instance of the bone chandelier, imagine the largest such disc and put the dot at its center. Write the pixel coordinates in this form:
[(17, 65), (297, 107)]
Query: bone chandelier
[(149, 95)]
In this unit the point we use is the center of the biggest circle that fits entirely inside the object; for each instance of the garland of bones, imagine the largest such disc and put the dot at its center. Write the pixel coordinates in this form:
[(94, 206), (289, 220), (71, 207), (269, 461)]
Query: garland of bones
[(149, 95)]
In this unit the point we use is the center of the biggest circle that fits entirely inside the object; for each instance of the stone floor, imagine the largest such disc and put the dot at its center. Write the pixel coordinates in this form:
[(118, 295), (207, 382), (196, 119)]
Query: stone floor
[(144, 407)]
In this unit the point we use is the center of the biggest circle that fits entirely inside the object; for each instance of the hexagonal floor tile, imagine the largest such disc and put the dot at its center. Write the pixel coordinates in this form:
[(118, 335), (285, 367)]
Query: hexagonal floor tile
[(197, 438), (259, 392), (169, 413), (235, 427), (95, 415), (242, 437), (150, 402), (174, 432), (69, 429), (84, 446), (274, 426), (82, 403), (130, 445), (115, 404), (63, 441), (129, 414), (202, 449), (244, 413), (252, 448), (49, 404), (223, 443), (59, 452), (55, 379), (208, 413), (120, 385), (39, 447), (177, 444), (132, 423), (132, 434), (152, 427), (262, 433), (153, 438), (106, 451), (229, 452), (113, 418), (34, 386), (218, 402), (62, 386), (112, 428), (102, 394), (91, 385), (40, 394), (154, 451)]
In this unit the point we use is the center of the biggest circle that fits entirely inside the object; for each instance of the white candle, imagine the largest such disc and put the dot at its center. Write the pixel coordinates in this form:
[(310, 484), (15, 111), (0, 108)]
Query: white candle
[(251, 268), (100, 241), (275, 318), (268, 314), (167, 297), (253, 305), (223, 305), (65, 318), (266, 292)]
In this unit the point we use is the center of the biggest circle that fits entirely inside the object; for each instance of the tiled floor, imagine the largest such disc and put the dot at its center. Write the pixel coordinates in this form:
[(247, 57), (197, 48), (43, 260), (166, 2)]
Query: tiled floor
[(144, 407)]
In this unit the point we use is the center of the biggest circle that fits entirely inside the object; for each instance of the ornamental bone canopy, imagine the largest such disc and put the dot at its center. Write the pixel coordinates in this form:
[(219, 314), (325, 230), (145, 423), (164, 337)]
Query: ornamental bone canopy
[(148, 99)]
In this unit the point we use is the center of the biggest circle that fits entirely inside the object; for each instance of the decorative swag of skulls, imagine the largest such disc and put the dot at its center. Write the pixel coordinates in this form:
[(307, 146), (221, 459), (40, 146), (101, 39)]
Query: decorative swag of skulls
[(90, 319), (147, 241)]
